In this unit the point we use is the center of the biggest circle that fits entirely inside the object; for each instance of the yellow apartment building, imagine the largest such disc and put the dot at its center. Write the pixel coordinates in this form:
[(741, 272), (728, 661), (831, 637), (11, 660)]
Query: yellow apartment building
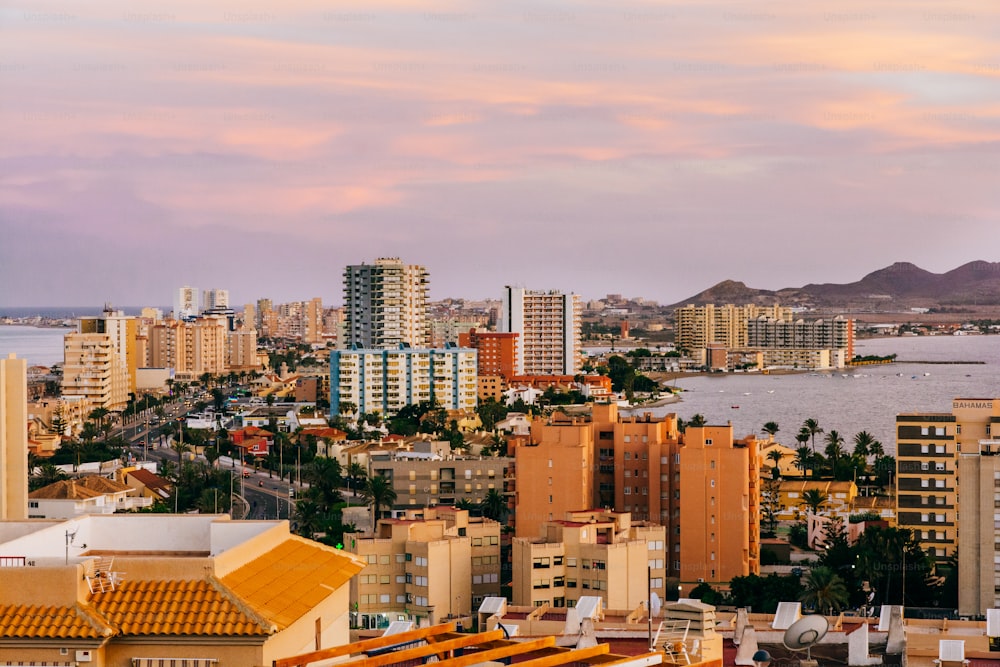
[(437, 563), (123, 331), (13, 438), (593, 552), (94, 371), (697, 326)]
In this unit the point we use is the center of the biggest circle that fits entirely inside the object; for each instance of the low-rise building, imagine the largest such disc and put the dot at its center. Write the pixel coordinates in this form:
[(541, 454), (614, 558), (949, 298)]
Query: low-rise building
[(592, 552), (429, 565), (90, 494), (152, 589)]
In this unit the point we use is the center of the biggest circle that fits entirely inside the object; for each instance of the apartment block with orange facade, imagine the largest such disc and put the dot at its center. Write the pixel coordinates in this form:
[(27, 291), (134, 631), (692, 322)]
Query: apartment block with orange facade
[(703, 485), (435, 564), (592, 552)]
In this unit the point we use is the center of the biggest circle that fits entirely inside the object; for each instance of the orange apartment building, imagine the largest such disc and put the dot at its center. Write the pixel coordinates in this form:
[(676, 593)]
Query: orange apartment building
[(702, 485), (497, 359)]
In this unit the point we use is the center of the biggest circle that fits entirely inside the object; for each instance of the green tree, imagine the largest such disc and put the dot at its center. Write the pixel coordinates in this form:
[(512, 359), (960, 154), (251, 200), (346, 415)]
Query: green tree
[(775, 457), (814, 499), (46, 473), (494, 506), (835, 452), (812, 427), (862, 443), (378, 493), (697, 420), (325, 478), (308, 517), (824, 591), (803, 458), (770, 428)]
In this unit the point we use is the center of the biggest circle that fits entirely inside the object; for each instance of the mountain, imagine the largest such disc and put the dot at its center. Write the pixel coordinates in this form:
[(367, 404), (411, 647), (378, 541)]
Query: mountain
[(901, 285)]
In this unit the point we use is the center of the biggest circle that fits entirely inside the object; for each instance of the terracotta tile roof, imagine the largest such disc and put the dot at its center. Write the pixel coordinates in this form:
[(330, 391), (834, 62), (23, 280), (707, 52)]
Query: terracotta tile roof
[(176, 608), (50, 622), (67, 489), (150, 480), (289, 580), (102, 484)]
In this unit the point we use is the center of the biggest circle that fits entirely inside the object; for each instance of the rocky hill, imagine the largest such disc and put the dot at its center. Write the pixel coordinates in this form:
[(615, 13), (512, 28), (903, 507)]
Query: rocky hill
[(901, 285)]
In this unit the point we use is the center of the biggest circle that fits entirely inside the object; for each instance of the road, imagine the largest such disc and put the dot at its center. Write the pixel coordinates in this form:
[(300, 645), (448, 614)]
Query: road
[(263, 496)]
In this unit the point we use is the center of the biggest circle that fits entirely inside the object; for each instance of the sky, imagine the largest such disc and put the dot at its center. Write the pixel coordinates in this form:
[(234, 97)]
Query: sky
[(647, 149)]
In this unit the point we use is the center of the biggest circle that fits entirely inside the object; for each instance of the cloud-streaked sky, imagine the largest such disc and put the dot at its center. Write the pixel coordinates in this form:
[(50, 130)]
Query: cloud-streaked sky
[(644, 148)]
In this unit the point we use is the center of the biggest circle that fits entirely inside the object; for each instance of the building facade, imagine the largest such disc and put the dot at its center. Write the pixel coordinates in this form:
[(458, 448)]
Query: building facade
[(385, 304), (697, 326), (384, 381), (702, 485), (424, 479), (926, 481), (596, 552), (191, 347), (123, 331), (780, 334), (94, 371), (186, 302), (978, 459), (432, 565), (548, 325), (13, 439)]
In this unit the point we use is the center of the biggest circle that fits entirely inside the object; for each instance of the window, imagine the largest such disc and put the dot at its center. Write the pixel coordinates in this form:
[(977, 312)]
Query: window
[(557, 560), (477, 579), (383, 598), (599, 565), (656, 582), (539, 562), (540, 583), (924, 449), (383, 579), (656, 563), (413, 475), (708, 442), (401, 599), (421, 561), (939, 430), (654, 545), (494, 539), (558, 581), (421, 600), (570, 562), (571, 583), (939, 483), (939, 466), (373, 559), (468, 474), (586, 563), (477, 541), (924, 483), (939, 518), (400, 578), (628, 490), (420, 581), (925, 517)]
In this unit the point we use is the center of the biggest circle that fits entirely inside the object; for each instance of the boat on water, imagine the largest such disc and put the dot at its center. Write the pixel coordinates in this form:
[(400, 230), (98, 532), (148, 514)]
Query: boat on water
[(735, 407)]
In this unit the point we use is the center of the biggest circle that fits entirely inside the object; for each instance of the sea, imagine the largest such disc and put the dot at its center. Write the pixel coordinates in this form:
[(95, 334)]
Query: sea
[(866, 398), (41, 346)]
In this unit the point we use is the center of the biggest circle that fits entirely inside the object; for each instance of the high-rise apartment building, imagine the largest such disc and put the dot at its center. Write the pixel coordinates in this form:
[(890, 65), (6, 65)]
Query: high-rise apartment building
[(94, 371), (422, 479), (548, 327), (186, 302), (591, 552), (123, 331), (832, 334), (190, 347), (719, 488), (978, 536), (215, 299), (926, 484), (384, 381), (702, 485), (435, 563), (313, 321), (697, 326), (13, 439), (497, 352), (385, 304)]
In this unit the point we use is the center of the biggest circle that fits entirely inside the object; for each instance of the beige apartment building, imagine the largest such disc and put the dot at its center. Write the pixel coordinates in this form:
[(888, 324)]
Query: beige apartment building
[(978, 503), (435, 564), (191, 348), (385, 304), (548, 325), (123, 331), (425, 478), (787, 334), (94, 371), (594, 552), (697, 326), (926, 480), (703, 485), (13, 438), (241, 350)]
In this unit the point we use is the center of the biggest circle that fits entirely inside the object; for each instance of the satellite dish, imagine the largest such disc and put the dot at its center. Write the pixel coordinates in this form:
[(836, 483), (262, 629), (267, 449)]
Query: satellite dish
[(654, 604), (805, 632)]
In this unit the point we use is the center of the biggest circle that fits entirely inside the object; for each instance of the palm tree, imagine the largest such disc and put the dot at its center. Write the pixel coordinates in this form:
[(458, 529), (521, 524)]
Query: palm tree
[(494, 506), (803, 456), (834, 449), (697, 420), (812, 426), (824, 591), (308, 516), (770, 428), (378, 493), (99, 415), (775, 456), (46, 474), (325, 478), (862, 443), (814, 498)]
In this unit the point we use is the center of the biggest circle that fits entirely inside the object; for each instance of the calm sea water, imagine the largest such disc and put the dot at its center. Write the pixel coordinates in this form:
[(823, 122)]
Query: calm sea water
[(41, 346), (867, 398)]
